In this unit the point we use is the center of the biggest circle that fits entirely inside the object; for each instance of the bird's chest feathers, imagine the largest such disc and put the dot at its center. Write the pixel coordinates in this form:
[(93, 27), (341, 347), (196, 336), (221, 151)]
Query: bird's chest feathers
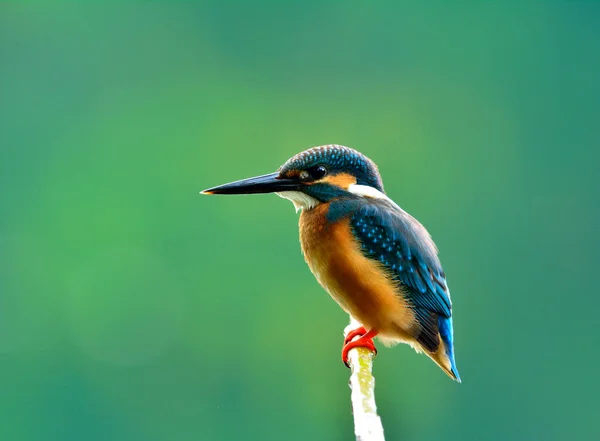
[(335, 258), (318, 238), (358, 284)]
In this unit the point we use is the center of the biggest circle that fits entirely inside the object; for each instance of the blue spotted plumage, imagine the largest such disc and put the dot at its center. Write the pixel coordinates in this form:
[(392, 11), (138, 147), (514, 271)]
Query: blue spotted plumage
[(373, 258), (391, 236)]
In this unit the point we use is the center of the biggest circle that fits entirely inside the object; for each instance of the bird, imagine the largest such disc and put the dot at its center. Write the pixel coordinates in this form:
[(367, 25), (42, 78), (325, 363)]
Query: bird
[(372, 257)]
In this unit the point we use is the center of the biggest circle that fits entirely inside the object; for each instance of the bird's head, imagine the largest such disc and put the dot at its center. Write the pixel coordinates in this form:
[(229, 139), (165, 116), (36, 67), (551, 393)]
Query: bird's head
[(313, 176)]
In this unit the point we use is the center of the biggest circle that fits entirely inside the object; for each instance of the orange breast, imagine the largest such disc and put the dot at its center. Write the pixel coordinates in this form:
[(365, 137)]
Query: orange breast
[(361, 286)]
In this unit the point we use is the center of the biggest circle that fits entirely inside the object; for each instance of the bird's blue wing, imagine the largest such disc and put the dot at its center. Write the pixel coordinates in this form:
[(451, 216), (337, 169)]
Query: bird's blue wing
[(390, 235)]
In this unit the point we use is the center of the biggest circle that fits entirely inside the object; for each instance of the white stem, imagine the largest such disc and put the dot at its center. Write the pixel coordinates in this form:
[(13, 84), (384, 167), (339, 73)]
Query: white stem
[(367, 424)]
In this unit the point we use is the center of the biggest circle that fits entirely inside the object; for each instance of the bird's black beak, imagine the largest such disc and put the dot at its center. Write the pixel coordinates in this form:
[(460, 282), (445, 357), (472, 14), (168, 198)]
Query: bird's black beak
[(270, 183)]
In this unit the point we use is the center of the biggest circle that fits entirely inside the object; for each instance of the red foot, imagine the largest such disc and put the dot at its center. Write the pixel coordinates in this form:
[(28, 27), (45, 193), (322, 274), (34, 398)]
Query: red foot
[(365, 341)]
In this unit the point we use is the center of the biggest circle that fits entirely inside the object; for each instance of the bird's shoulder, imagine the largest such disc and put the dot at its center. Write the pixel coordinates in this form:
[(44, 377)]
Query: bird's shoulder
[(400, 243)]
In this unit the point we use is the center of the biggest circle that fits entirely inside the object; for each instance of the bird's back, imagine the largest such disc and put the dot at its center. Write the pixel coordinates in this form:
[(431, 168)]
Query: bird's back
[(381, 266), (357, 283)]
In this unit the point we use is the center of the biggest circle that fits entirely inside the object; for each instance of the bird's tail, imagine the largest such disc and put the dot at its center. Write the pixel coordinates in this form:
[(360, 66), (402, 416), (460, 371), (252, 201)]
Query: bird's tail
[(445, 356)]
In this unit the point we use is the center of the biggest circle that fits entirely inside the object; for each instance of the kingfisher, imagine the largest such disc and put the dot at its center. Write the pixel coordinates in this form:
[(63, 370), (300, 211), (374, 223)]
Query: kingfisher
[(372, 257)]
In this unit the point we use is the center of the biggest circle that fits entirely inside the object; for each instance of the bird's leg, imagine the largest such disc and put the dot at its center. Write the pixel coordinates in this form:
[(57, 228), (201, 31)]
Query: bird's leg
[(365, 341)]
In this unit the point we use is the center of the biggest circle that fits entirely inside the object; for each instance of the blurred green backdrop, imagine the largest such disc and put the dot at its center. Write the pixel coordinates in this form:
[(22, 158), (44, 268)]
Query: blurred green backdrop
[(132, 308)]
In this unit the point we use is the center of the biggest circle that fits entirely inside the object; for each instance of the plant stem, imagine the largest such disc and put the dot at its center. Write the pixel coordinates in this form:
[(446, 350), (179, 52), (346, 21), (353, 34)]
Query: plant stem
[(367, 423)]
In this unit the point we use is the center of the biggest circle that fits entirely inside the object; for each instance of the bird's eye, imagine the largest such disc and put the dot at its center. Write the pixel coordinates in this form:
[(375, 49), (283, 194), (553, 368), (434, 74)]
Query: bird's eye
[(317, 172)]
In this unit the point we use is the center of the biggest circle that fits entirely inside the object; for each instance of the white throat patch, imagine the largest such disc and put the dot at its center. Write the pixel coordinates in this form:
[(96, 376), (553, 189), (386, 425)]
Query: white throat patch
[(301, 201)]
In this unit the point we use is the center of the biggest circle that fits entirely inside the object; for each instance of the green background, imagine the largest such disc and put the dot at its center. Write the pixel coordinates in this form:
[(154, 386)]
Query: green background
[(132, 308)]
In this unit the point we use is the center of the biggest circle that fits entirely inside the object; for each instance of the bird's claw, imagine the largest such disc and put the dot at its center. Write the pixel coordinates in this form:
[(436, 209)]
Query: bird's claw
[(365, 341)]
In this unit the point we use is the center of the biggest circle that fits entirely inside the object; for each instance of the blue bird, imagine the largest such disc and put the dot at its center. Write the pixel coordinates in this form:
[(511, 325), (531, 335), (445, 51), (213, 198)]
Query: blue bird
[(374, 259)]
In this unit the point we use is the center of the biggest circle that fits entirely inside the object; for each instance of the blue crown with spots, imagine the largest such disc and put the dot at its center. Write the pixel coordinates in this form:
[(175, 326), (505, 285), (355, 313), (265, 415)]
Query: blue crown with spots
[(337, 159)]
